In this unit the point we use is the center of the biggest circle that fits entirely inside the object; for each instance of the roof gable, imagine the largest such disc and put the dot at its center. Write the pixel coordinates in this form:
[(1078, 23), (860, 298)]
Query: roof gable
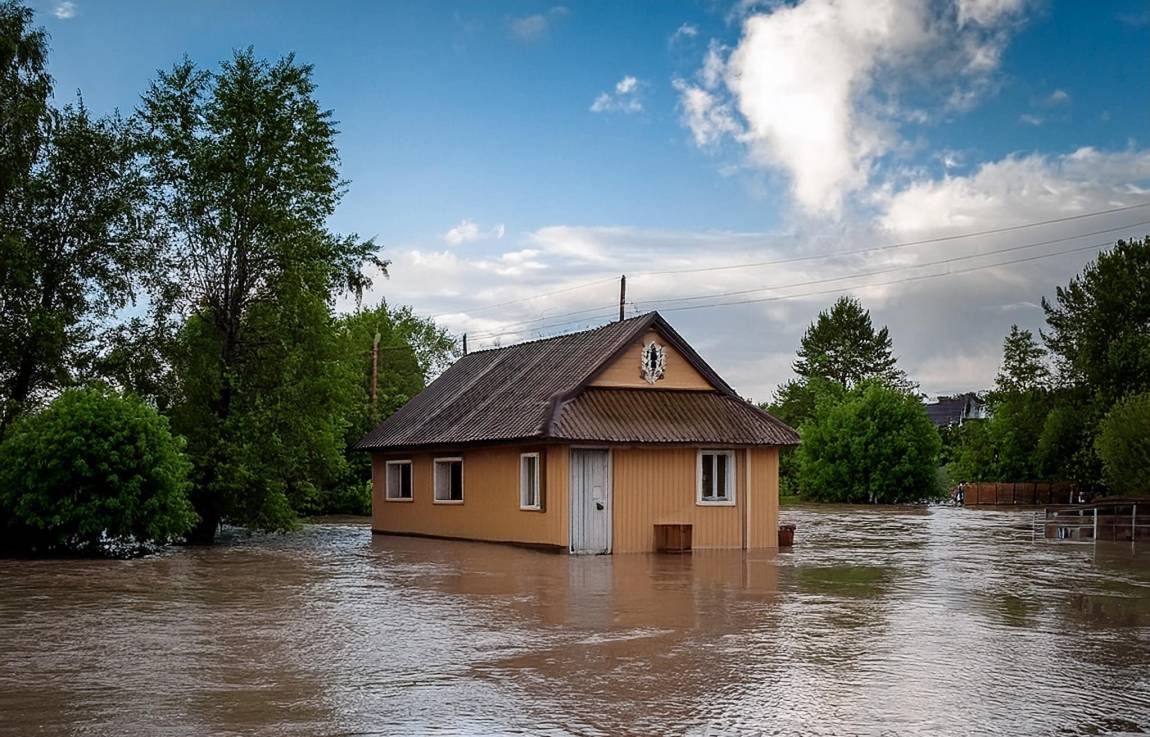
[(517, 392)]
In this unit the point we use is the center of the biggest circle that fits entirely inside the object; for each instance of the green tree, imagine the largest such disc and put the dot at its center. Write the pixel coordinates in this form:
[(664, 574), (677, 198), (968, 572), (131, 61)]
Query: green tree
[(92, 470), (1098, 324), (244, 166), (843, 346), (876, 446), (1023, 366), (71, 228), (1123, 444), (411, 350)]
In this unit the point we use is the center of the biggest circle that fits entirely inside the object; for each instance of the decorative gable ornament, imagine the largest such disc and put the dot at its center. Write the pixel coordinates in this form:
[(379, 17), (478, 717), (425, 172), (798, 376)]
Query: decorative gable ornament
[(654, 362)]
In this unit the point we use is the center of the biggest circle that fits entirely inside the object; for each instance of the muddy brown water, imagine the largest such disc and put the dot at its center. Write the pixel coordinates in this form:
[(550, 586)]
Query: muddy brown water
[(912, 622)]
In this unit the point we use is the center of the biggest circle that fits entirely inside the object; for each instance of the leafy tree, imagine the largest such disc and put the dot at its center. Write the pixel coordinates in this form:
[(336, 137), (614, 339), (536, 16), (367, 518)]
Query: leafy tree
[(245, 170), (842, 345), (1023, 368), (971, 454), (1098, 324), (1123, 444), (71, 227), (411, 351), (92, 470), (877, 446)]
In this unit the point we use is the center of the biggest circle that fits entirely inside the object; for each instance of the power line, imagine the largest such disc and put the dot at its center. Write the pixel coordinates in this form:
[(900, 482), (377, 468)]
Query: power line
[(777, 298), (816, 257), (512, 327), (907, 244), (952, 259), (967, 270)]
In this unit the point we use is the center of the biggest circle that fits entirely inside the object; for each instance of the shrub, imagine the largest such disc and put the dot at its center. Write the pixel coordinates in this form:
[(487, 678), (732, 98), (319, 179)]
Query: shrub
[(93, 471), (875, 445), (1123, 444)]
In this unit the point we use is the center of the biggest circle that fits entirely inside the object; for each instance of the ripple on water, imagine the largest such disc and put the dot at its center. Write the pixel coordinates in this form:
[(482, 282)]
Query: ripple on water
[(897, 621)]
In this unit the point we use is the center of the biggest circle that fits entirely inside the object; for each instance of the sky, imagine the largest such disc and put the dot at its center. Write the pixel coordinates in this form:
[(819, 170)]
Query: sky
[(947, 162)]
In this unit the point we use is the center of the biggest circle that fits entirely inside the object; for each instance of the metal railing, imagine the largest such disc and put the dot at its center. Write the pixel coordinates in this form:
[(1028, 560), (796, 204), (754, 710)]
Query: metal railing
[(1090, 524)]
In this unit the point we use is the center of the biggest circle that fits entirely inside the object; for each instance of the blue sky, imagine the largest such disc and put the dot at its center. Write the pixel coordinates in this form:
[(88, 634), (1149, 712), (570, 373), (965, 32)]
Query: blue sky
[(501, 150)]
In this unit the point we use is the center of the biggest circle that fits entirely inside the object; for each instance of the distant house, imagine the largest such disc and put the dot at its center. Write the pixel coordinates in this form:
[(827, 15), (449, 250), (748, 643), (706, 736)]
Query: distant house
[(583, 443), (948, 411)]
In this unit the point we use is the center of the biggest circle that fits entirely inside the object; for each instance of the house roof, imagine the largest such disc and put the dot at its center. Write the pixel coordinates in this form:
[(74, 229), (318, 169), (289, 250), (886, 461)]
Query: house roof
[(533, 391), (643, 416), (950, 410)]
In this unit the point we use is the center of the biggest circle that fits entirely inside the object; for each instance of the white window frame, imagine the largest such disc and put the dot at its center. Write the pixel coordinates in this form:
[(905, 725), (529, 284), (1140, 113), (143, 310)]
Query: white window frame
[(435, 480), (732, 484), (523, 505), (387, 496)]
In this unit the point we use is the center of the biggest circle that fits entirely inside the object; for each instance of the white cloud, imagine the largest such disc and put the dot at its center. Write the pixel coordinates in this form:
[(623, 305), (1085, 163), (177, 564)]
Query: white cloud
[(624, 99), (1028, 119), (1058, 97), (1021, 189), (468, 231), (685, 31), (64, 10), (531, 28), (813, 89)]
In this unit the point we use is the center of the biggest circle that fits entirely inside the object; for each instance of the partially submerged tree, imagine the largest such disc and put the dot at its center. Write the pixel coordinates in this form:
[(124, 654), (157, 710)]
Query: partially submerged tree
[(244, 166), (93, 470), (876, 445), (1123, 444)]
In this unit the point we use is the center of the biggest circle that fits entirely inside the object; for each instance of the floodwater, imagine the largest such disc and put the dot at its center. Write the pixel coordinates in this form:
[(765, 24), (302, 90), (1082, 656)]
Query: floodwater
[(912, 622)]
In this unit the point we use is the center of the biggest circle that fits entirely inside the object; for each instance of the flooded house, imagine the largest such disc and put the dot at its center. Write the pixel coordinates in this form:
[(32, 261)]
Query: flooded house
[(600, 441)]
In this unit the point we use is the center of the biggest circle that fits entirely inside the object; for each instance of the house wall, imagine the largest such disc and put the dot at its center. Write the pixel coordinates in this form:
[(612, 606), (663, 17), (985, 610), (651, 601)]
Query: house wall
[(627, 370), (490, 508), (652, 485)]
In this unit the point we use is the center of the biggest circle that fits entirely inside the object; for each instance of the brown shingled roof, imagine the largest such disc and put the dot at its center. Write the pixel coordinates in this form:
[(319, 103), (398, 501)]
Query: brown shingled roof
[(643, 416), (535, 391)]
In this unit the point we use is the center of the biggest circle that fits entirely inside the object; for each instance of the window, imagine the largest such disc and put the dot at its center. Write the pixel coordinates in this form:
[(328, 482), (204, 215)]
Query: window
[(716, 477), (448, 480), (529, 494), (398, 481)]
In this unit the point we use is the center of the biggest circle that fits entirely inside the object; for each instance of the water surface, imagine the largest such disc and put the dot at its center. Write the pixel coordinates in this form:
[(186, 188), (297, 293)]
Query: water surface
[(913, 622)]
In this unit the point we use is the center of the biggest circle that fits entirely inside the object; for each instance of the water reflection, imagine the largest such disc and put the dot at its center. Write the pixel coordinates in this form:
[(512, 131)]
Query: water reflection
[(910, 622)]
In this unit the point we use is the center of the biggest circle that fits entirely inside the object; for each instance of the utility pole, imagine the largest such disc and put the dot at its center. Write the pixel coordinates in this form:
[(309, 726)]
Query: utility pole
[(465, 344), (374, 370), (622, 295)]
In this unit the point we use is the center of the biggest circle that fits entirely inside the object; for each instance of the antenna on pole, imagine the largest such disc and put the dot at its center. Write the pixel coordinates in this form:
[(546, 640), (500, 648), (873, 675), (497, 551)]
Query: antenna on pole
[(374, 370), (465, 344), (622, 295)]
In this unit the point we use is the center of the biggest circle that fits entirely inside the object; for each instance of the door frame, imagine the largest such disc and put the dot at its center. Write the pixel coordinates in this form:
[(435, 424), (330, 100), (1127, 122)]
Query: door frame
[(610, 490)]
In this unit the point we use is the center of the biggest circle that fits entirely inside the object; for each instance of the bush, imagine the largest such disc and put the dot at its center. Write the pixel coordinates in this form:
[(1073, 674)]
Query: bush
[(93, 471), (1123, 444), (875, 445)]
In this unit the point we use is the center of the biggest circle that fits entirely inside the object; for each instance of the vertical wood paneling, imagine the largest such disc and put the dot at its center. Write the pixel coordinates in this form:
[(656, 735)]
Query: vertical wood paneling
[(657, 486), (627, 370), (764, 517)]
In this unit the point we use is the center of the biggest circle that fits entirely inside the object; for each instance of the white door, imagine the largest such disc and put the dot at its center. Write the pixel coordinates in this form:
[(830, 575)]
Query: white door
[(590, 501)]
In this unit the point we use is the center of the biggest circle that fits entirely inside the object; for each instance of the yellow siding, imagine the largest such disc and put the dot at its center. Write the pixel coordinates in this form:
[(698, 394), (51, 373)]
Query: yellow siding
[(764, 511), (626, 371), (650, 486), (490, 508)]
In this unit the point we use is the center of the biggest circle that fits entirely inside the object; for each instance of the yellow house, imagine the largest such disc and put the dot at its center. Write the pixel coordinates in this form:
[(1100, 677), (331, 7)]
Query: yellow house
[(584, 443)]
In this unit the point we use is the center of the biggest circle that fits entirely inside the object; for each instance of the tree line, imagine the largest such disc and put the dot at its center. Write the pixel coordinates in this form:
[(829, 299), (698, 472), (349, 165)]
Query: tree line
[(170, 353), (1072, 405)]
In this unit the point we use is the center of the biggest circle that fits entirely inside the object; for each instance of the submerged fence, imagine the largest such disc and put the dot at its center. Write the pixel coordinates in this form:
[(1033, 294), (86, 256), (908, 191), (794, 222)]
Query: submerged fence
[(1023, 492), (1114, 521)]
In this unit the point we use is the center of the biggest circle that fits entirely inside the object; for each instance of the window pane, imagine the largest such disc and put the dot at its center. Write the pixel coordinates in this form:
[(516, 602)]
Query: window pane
[(456, 481), (405, 481), (708, 476), (721, 476), (530, 496)]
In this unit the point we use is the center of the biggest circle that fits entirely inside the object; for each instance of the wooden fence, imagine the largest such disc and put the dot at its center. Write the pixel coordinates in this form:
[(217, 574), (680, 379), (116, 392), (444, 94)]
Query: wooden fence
[(1032, 493)]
